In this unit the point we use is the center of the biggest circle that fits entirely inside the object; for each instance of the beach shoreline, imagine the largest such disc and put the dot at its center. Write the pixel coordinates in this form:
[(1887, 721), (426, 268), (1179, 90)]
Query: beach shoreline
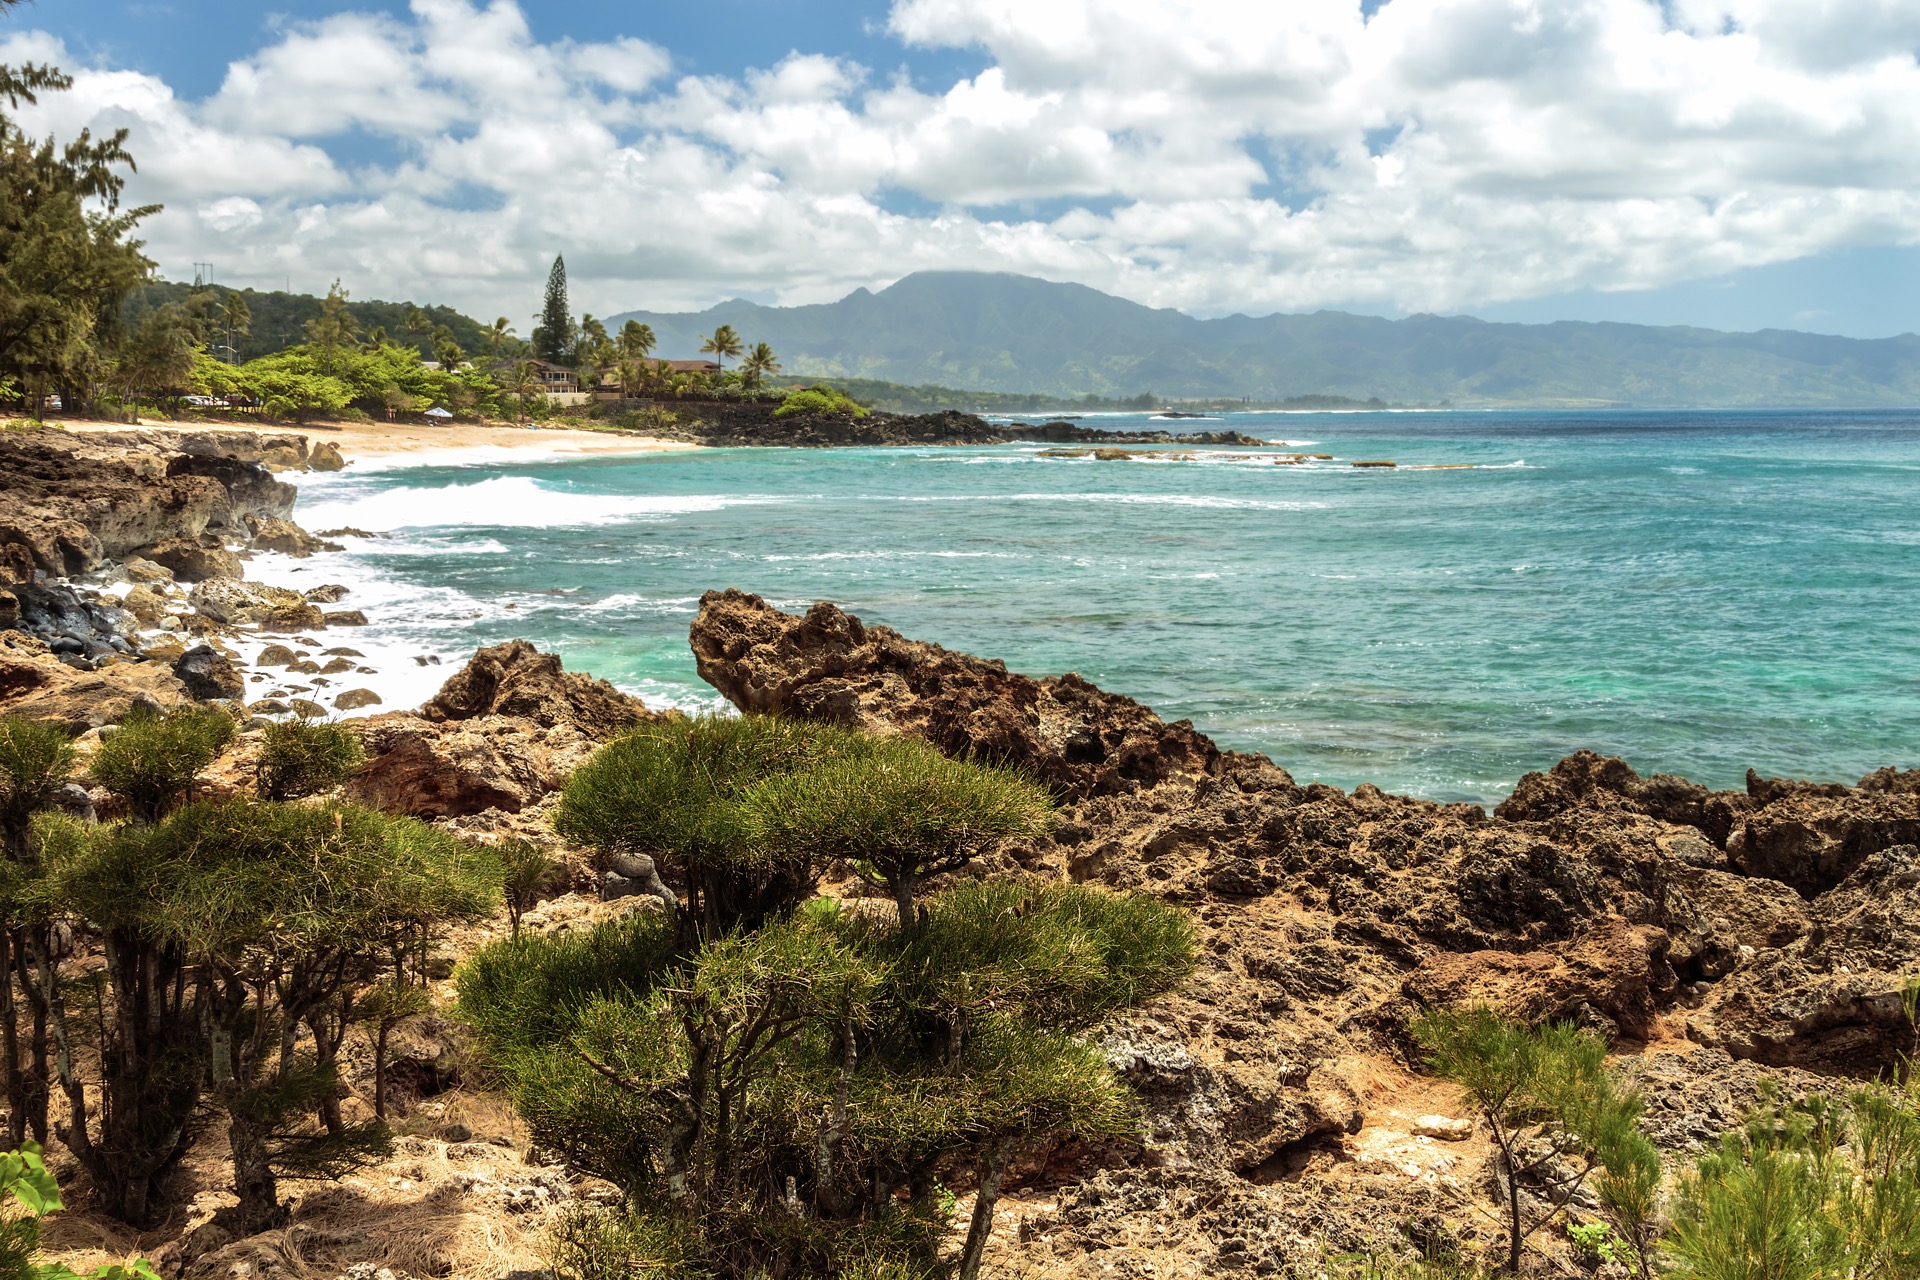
[(402, 443)]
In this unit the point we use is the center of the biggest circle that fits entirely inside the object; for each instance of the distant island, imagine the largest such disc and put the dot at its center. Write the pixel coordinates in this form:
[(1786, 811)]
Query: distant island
[(1019, 336)]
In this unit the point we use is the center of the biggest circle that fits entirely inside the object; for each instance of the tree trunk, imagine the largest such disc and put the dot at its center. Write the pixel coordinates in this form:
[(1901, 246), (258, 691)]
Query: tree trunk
[(10, 1048), (992, 1170), (253, 1180), (1513, 1204), (902, 885)]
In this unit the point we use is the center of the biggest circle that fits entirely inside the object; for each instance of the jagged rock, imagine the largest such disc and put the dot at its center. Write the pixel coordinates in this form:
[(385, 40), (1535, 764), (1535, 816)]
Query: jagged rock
[(430, 770), (1812, 836), (36, 684), (1832, 1000), (198, 559), (288, 538), (1615, 976), (325, 456), (298, 616), (331, 593), (516, 679), (208, 675), (9, 610), (1589, 780), (146, 572), (145, 604), (239, 603), (830, 666), (251, 492)]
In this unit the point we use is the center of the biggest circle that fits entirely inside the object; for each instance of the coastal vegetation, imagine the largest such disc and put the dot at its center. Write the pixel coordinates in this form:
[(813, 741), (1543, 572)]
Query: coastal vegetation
[(781, 1083)]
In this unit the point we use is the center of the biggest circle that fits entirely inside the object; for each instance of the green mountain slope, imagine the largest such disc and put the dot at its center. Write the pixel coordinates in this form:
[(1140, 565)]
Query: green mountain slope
[(1017, 334)]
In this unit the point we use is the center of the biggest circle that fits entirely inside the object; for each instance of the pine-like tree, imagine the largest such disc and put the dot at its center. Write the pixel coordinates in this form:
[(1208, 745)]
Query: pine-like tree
[(553, 337)]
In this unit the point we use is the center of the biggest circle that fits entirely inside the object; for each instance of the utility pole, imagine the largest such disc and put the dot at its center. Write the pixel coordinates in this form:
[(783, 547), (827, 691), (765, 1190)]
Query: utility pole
[(202, 274)]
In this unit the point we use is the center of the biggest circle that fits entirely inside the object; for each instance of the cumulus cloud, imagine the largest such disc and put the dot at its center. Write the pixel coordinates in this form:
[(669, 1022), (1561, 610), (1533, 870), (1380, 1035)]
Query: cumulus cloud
[(1208, 154)]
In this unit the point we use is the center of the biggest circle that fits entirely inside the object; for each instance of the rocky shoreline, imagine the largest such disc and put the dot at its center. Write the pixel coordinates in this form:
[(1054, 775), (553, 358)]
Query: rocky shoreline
[(753, 425), (1724, 941)]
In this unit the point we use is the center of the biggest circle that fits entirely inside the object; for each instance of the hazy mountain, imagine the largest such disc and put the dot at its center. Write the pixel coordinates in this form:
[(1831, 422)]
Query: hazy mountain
[(1000, 332)]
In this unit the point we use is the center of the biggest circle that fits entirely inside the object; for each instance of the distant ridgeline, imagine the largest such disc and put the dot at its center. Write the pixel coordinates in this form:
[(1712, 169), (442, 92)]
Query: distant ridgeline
[(1060, 342), (894, 398), (280, 319)]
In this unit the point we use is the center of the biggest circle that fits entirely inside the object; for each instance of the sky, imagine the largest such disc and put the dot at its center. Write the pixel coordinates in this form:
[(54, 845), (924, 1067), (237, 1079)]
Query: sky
[(1736, 164)]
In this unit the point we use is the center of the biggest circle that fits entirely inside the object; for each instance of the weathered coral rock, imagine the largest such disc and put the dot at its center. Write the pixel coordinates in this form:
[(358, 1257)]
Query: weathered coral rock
[(1831, 1000), (239, 603), (287, 538), (515, 679), (36, 684), (830, 666), (199, 559), (1615, 976), (502, 733)]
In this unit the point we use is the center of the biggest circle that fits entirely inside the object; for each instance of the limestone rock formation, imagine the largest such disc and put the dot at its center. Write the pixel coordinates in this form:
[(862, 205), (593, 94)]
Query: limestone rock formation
[(207, 674), (515, 679), (503, 733), (1780, 915)]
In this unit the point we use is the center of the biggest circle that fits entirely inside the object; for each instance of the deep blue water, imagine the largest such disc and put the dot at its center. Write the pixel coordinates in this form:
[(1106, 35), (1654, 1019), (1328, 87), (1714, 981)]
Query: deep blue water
[(1699, 593)]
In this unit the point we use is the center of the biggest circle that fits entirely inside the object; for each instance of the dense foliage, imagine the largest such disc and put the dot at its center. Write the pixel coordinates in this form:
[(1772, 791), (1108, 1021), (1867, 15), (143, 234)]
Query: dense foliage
[(27, 1194), (766, 1072), (239, 942), (818, 399)]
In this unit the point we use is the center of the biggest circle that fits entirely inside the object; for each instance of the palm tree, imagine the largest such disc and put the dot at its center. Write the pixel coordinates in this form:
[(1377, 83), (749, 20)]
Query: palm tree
[(759, 362), (502, 330), (634, 376), (518, 379), (376, 339), (636, 340), (723, 345)]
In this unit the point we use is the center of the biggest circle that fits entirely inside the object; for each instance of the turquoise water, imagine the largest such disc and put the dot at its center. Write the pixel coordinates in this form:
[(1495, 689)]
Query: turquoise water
[(1696, 592)]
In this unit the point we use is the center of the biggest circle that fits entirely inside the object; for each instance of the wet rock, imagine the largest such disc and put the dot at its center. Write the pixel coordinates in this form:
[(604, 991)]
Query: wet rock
[(325, 456), (293, 617), (207, 674), (344, 618), (331, 593), (354, 699), (276, 655), (238, 603), (145, 604), (287, 538)]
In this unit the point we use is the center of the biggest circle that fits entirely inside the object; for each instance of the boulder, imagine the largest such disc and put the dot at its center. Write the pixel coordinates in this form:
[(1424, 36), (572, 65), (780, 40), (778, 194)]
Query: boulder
[(36, 684), (207, 674), (343, 618), (515, 679), (330, 593), (325, 456), (1812, 836), (438, 770), (354, 699), (287, 538), (251, 493), (238, 603), (197, 559), (1614, 977), (1831, 1000), (298, 616)]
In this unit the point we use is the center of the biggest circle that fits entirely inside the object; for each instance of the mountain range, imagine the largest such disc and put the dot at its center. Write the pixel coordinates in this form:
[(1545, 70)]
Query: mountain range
[(1012, 333)]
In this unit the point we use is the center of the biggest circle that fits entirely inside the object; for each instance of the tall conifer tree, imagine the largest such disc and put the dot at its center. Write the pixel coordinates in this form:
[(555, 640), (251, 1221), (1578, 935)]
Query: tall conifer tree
[(553, 338)]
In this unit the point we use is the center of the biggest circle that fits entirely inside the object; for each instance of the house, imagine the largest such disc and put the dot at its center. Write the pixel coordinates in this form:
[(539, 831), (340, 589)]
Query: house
[(554, 379), (609, 387), (691, 366)]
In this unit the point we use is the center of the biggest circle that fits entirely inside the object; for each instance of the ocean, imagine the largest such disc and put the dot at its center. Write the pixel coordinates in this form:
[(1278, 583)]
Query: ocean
[(1698, 592)]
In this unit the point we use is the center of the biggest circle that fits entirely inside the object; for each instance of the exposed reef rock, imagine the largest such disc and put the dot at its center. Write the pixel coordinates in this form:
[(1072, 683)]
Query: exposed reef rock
[(502, 733), (36, 683), (738, 425), (68, 501), (1770, 926)]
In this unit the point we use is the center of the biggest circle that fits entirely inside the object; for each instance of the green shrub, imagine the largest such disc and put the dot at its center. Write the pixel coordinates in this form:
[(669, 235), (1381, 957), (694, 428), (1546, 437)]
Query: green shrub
[(35, 760), (1557, 1118), (1816, 1190), (152, 758), (765, 1086), (302, 757), (674, 790), (818, 399), (895, 809)]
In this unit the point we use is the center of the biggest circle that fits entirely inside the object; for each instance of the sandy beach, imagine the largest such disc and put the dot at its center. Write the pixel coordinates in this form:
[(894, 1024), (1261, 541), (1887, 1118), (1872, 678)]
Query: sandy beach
[(392, 441)]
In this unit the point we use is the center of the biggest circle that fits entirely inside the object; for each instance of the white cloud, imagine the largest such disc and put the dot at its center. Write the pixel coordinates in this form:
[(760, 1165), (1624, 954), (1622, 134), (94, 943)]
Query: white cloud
[(1209, 154)]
